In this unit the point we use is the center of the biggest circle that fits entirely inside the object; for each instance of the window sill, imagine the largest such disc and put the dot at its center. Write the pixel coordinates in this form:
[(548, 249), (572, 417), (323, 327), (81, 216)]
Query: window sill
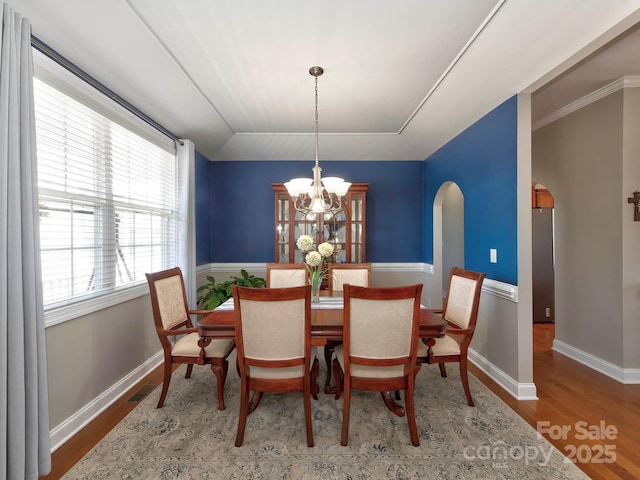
[(85, 307)]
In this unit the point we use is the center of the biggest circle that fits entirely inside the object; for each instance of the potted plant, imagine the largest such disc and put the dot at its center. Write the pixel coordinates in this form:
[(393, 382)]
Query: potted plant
[(214, 294)]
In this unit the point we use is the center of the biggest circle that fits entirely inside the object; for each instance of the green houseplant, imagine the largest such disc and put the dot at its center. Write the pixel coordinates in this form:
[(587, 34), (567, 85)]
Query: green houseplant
[(213, 294)]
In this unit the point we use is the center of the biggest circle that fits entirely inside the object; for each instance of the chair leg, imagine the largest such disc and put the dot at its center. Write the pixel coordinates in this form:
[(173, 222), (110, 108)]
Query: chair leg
[(344, 440), (221, 375), (307, 411), (189, 370), (465, 380), (314, 379), (339, 377), (443, 370), (244, 411), (328, 354), (165, 383), (410, 408)]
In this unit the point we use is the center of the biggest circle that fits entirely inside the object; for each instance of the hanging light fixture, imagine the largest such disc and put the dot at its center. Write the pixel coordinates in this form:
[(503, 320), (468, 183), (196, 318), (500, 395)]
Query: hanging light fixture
[(308, 194)]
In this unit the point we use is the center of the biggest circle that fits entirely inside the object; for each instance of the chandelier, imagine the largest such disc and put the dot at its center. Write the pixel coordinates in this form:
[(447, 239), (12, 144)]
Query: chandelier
[(317, 195)]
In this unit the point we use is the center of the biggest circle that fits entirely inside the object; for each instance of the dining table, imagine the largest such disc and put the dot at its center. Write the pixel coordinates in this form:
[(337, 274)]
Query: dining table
[(326, 323)]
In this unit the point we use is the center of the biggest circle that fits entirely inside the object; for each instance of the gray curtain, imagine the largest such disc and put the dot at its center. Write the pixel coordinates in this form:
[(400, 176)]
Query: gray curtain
[(24, 412), (186, 217)]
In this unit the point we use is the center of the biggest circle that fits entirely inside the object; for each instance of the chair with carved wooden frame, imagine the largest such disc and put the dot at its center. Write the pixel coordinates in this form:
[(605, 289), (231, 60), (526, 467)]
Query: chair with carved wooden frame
[(358, 274), (273, 339), (381, 330), (172, 318), (461, 313), (282, 275)]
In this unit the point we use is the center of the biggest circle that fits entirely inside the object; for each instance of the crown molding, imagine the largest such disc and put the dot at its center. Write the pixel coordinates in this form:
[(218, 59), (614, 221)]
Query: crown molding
[(624, 82)]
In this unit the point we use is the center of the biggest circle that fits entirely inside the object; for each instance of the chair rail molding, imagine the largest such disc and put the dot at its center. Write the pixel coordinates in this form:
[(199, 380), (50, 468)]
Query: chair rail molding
[(496, 288)]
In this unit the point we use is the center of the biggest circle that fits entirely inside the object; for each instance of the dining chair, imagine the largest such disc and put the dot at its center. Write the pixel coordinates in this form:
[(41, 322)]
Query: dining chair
[(281, 275), (381, 329), (358, 274), (273, 339), (172, 319), (461, 313)]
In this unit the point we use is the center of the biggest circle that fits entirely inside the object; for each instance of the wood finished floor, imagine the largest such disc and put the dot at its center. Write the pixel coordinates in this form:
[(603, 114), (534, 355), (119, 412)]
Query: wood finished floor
[(568, 393)]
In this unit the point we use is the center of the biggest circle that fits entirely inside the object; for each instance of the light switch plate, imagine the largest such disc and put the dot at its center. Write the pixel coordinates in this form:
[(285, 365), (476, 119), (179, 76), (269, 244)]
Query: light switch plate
[(493, 255)]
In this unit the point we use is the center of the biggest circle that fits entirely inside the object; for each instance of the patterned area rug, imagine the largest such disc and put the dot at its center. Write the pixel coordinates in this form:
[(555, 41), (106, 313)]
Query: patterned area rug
[(189, 438)]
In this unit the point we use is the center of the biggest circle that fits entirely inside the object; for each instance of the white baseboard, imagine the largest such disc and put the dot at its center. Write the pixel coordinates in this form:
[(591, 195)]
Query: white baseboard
[(622, 375), (520, 391), (72, 425)]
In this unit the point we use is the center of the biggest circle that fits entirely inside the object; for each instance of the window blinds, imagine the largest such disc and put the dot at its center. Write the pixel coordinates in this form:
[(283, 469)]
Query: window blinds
[(107, 201)]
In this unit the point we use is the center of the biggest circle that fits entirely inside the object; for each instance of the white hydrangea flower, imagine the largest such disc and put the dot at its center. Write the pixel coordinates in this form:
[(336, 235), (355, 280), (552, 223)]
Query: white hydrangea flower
[(313, 259), (325, 249), (305, 243)]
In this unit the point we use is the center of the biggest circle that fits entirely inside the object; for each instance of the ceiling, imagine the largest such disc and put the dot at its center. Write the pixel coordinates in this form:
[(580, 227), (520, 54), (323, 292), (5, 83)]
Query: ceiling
[(401, 78)]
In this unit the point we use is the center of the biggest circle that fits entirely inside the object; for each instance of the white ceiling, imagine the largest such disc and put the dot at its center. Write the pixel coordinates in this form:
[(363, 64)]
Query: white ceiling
[(401, 78)]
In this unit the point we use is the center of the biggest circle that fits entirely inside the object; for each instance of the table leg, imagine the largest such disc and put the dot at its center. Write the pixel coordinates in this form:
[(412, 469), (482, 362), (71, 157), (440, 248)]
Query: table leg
[(392, 405)]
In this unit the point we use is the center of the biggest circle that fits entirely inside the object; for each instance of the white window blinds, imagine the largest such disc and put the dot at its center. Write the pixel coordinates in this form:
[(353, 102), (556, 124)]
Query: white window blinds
[(107, 201)]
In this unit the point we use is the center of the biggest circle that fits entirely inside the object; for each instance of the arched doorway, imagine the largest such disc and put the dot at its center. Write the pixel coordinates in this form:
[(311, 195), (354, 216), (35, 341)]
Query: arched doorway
[(543, 256), (448, 236)]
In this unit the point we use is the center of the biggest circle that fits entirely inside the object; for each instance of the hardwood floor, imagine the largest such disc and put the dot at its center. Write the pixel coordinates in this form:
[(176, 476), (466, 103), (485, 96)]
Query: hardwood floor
[(571, 396), (569, 393)]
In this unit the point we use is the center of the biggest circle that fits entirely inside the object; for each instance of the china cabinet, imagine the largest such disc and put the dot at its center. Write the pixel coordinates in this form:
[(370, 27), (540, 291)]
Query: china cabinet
[(346, 230)]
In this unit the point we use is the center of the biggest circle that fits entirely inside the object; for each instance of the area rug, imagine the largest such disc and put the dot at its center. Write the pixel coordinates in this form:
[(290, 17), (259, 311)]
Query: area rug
[(189, 438)]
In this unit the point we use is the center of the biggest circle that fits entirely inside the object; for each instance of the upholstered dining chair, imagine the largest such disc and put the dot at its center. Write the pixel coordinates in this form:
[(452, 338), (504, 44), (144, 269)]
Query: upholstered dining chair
[(172, 318), (461, 313), (381, 330), (282, 275), (358, 274), (273, 338)]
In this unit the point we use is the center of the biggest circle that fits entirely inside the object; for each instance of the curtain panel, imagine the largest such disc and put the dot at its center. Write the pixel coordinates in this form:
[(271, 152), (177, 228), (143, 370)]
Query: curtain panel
[(24, 414), (186, 243)]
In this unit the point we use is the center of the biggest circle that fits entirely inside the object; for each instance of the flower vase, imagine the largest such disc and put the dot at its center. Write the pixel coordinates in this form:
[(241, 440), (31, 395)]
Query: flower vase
[(315, 289)]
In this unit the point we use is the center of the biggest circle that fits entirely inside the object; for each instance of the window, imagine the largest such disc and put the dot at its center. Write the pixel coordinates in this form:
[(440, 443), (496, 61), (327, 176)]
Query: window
[(107, 201)]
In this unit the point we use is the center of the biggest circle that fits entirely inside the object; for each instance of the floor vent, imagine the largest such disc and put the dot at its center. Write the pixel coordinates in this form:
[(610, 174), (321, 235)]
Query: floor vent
[(141, 394)]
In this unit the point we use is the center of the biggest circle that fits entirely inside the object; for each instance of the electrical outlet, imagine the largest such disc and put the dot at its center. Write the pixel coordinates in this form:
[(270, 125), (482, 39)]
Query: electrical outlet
[(547, 312), (493, 255)]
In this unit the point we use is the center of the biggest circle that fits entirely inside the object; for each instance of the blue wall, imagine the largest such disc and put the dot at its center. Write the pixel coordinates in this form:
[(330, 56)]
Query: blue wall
[(235, 211), (234, 200), (482, 160)]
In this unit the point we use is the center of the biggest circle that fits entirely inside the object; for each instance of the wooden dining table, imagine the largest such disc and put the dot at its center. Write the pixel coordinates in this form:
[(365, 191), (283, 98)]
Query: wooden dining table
[(326, 323)]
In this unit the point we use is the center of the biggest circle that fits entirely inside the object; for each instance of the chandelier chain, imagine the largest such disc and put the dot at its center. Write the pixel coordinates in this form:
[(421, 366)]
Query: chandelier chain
[(318, 195), (316, 119)]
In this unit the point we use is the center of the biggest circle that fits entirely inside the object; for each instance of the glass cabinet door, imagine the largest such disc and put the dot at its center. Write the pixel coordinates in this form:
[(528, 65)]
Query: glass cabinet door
[(283, 233), (335, 228), (357, 227)]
